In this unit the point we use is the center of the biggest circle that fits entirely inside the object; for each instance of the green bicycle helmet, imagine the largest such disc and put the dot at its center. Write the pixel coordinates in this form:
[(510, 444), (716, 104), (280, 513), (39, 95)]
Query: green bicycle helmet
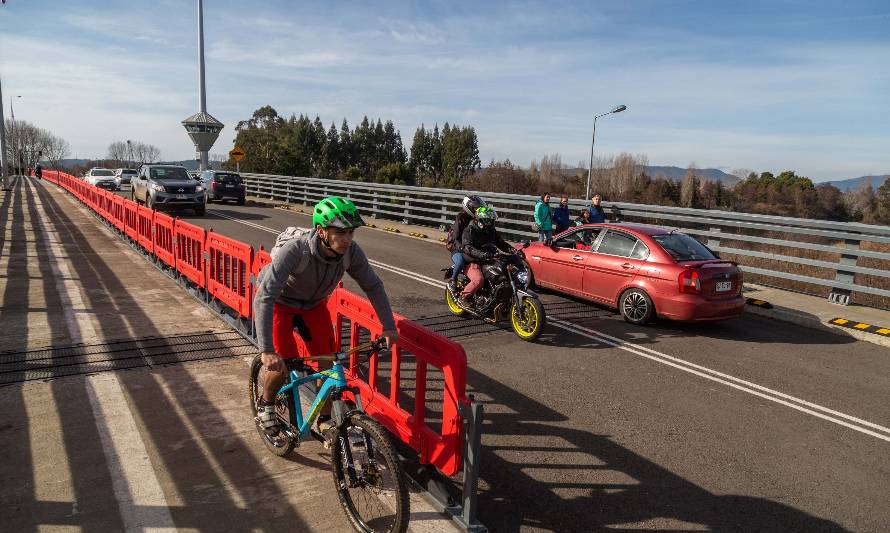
[(336, 212), (486, 215)]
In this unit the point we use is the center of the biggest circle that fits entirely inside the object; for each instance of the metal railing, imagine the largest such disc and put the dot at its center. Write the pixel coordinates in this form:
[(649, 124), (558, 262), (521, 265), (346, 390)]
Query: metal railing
[(813, 253)]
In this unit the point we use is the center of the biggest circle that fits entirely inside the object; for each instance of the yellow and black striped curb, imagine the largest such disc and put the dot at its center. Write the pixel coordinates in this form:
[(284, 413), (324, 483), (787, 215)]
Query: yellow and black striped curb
[(759, 303), (419, 235), (860, 326), (391, 230)]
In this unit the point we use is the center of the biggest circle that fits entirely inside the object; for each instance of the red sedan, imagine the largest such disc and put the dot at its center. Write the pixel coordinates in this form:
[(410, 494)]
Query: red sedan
[(643, 271)]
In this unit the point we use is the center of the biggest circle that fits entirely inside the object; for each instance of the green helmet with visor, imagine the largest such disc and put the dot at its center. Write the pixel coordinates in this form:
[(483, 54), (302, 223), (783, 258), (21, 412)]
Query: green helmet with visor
[(486, 215), (336, 212)]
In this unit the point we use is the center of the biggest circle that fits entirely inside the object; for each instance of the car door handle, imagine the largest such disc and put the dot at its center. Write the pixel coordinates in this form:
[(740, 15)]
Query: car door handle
[(577, 258), (627, 266)]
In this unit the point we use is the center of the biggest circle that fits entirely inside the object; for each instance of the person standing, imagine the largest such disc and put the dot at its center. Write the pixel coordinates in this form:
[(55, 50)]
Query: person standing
[(597, 215), (562, 219), (543, 218)]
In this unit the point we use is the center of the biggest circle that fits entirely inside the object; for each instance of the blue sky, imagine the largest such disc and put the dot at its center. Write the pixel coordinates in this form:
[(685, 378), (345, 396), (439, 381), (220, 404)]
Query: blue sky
[(735, 85)]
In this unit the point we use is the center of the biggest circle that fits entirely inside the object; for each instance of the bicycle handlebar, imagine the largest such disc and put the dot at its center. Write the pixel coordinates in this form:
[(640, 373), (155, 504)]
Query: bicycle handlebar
[(371, 347)]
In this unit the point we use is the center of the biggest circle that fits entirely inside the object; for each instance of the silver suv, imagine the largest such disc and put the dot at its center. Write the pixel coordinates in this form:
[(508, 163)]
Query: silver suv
[(168, 186)]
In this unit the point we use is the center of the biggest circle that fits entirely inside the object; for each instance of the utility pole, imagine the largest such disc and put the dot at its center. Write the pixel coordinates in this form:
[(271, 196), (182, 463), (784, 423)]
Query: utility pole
[(3, 157)]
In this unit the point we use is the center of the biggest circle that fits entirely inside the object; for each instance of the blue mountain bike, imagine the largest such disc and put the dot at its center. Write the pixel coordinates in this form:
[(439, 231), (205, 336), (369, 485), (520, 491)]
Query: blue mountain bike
[(370, 482)]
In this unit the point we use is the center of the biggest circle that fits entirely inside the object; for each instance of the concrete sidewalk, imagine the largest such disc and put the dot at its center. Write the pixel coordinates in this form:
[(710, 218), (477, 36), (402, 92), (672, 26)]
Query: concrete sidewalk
[(801, 309), (147, 444)]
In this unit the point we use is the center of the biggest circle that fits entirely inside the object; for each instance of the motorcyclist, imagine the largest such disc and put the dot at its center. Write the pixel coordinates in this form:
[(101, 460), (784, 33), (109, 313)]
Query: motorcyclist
[(480, 243), (466, 215)]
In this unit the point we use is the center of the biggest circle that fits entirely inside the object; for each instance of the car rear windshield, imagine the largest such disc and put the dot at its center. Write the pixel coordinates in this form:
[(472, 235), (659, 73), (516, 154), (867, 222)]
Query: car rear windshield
[(682, 247), (102, 173), (227, 178), (128, 171), (169, 173)]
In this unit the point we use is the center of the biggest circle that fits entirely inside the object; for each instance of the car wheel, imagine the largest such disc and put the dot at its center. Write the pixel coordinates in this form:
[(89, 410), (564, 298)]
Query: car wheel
[(636, 307), (241, 201), (531, 275)]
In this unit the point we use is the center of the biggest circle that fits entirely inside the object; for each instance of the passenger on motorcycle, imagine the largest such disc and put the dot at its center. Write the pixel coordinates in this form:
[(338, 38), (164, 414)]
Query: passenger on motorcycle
[(480, 243), (464, 217)]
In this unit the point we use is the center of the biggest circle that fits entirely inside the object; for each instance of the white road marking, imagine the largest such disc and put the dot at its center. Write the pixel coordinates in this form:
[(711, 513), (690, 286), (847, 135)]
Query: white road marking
[(787, 400), (140, 499)]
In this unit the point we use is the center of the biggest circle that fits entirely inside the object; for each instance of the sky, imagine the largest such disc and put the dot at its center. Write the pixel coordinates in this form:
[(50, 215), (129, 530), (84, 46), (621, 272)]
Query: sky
[(756, 85)]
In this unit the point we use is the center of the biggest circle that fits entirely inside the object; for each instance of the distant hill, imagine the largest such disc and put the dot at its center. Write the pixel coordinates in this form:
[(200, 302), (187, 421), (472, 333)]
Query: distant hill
[(71, 163), (709, 174), (854, 183)]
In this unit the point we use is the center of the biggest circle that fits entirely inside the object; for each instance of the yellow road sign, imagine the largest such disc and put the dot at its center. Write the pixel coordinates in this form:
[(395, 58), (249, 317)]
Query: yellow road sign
[(237, 153)]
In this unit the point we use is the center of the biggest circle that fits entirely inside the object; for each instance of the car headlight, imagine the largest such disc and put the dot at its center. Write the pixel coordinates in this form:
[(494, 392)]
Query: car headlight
[(159, 188), (522, 277), (199, 189)]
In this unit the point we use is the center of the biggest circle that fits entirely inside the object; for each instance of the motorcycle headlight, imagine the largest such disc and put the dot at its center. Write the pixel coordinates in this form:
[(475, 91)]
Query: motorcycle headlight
[(159, 188), (522, 277)]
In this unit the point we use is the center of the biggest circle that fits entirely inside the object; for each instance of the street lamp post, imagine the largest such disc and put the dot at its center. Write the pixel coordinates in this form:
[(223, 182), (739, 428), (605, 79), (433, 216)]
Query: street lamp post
[(3, 155), (618, 109), (129, 158)]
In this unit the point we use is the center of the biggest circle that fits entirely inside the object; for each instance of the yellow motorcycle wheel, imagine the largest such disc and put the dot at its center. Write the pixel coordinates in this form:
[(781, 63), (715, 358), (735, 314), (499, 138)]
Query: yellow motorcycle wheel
[(452, 305), (528, 321)]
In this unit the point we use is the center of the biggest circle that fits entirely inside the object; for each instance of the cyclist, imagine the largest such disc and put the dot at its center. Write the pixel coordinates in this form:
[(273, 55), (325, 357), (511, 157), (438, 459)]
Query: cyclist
[(38, 171), (481, 243), (291, 300), (469, 205)]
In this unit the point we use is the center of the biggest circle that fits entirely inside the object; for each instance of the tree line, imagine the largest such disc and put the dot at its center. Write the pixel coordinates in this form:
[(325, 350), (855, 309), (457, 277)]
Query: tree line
[(26, 144), (372, 151)]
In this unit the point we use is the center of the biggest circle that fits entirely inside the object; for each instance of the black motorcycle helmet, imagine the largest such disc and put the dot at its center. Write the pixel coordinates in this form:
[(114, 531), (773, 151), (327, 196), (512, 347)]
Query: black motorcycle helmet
[(471, 203)]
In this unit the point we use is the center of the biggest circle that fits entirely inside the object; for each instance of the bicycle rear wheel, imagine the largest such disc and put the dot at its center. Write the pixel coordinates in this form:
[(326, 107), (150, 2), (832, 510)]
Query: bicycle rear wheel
[(375, 496)]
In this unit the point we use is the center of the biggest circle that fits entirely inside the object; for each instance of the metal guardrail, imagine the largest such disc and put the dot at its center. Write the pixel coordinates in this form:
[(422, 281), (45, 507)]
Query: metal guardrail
[(748, 236)]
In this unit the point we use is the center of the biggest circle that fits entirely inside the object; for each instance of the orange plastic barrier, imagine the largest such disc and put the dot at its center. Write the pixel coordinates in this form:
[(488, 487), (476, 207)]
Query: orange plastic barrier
[(118, 216), (228, 271), (163, 238), (443, 448), (131, 219), (145, 228), (189, 245)]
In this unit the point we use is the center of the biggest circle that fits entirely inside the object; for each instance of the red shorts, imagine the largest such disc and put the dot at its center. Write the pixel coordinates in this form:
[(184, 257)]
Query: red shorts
[(300, 333)]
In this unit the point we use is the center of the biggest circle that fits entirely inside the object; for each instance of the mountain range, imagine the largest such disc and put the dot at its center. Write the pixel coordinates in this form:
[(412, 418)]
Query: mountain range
[(673, 173)]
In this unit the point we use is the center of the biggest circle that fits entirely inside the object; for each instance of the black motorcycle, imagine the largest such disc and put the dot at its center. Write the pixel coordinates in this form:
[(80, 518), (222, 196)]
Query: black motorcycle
[(504, 289)]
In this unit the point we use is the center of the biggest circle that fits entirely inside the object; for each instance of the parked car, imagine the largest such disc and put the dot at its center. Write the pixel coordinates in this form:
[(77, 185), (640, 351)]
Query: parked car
[(643, 271), (101, 177), (167, 186), (123, 175), (223, 185)]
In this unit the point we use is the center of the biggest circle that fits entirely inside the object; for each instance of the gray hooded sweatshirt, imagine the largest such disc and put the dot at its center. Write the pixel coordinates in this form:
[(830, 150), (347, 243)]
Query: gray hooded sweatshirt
[(313, 285)]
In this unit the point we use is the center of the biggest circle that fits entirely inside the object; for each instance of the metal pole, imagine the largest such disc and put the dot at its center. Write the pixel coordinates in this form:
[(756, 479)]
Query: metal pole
[(590, 168), (3, 157), (202, 90)]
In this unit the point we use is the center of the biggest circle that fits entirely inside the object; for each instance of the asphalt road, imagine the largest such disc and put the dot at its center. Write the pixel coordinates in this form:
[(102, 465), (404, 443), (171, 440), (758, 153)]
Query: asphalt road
[(747, 425)]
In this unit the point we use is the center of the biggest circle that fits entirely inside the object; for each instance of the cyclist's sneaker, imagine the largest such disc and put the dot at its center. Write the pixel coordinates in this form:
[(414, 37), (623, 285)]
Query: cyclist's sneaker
[(451, 286), (268, 418)]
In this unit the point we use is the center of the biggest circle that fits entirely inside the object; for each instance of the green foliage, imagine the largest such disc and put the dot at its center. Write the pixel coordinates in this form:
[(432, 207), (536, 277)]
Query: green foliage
[(395, 174)]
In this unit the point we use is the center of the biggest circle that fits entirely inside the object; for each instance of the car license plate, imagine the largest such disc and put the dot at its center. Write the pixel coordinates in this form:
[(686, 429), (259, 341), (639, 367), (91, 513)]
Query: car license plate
[(182, 197), (723, 286), (230, 186)]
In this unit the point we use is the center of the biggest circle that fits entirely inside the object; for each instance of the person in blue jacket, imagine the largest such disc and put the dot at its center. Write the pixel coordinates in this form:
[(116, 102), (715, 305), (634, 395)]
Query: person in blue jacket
[(562, 219), (597, 215), (543, 218)]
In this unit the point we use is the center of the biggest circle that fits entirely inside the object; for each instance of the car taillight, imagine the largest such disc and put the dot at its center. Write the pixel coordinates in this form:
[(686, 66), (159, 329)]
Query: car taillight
[(689, 282), (213, 184)]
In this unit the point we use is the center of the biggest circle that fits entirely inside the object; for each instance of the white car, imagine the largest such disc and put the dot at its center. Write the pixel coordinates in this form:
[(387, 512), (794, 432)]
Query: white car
[(101, 177)]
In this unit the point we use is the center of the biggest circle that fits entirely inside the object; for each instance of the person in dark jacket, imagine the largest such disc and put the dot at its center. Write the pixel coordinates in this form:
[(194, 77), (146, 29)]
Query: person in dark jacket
[(38, 171), (597, 215), (466, 215), (481, 243), (562, 219)]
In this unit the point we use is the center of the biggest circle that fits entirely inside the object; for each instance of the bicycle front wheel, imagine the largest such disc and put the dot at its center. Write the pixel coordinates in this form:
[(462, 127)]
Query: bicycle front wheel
[(370, 482)]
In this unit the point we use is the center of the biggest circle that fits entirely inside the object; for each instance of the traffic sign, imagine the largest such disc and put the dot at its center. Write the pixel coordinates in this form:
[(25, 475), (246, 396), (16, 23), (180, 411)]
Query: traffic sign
[(237, 153)]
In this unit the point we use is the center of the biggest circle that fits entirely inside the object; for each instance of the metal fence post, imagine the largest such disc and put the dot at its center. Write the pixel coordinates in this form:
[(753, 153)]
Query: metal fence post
[(305, 193), (842, 296), (472, 416), (287, 193), (444, 220), (375, 204), (714, 242), (407, 219)]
